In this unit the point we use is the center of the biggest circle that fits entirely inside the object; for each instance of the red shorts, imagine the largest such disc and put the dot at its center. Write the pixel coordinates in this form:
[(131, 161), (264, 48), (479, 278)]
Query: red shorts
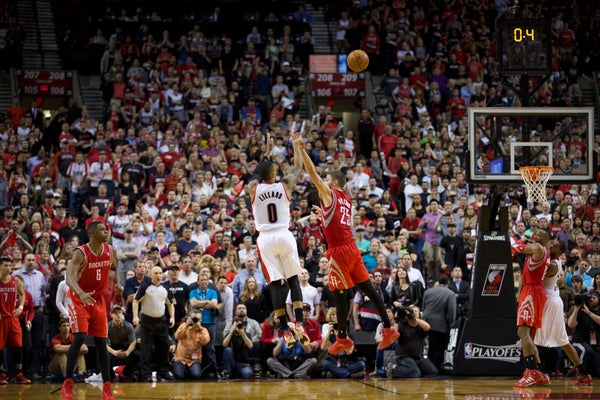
[(87, 319), (531, 306), (346, 267), (10, 333)]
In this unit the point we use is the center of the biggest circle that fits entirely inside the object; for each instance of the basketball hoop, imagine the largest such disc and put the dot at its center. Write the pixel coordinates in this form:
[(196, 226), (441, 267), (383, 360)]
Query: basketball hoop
[(536, 178)]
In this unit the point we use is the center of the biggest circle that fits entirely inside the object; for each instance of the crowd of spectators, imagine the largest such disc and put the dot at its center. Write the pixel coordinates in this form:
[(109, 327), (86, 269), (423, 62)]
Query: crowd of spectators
[(185, 123)]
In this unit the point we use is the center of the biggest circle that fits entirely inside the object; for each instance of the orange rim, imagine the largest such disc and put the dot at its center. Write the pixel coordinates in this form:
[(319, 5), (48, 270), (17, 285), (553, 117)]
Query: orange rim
[(534, 172)]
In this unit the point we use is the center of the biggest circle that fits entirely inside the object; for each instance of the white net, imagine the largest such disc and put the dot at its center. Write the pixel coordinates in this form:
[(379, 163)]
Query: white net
[(536, 179)]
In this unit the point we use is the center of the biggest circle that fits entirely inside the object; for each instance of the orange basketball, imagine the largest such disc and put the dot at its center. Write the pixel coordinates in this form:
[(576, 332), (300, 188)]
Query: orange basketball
[(358, 60)]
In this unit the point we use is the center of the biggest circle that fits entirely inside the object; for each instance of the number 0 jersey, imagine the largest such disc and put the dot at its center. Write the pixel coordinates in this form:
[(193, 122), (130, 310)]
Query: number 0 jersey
[(337, 220), (271, 207)]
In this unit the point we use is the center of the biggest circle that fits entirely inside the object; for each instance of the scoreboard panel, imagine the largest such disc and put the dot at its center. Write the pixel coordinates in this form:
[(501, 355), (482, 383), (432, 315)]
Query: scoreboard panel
[(524, 47), (41, 82)]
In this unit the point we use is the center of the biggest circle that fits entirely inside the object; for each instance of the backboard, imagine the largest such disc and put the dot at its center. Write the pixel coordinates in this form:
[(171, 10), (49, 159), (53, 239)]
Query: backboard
[(501, 140)]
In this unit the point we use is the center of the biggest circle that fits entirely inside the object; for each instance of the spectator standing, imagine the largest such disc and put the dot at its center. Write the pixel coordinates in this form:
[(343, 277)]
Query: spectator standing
[(127, 254), (205, 299), (429, 224), (179, 293), (439, 310), (34, 283), (249, 270)]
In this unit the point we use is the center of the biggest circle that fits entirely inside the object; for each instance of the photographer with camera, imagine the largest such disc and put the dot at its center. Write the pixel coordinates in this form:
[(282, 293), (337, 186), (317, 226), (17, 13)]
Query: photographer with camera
[(343, 365), (409, 361), (235, 350), (191, 336), (586, 321), (292, 362)]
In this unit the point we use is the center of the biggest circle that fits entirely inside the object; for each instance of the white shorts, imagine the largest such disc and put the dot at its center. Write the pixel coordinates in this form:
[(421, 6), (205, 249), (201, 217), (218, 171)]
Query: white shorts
[(278, 253), (553, 332)]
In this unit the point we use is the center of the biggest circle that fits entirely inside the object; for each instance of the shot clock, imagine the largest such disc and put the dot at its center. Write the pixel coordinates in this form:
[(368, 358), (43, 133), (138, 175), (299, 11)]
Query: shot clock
[(524, 47)]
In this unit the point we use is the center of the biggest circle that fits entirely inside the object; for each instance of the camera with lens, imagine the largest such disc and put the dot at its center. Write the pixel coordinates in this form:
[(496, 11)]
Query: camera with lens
[(239, 325), (195, 320), (580, 299), (405, 314), (335, 326)]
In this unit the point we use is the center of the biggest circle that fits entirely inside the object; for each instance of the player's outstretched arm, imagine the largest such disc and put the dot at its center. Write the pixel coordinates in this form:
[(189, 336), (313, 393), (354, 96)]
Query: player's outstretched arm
[(74, 270), (292, 177), (323, 189)]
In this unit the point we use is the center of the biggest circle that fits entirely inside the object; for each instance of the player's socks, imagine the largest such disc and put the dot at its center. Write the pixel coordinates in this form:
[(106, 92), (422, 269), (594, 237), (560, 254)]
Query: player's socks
[(581, 369), (530, 362), (540, 367)]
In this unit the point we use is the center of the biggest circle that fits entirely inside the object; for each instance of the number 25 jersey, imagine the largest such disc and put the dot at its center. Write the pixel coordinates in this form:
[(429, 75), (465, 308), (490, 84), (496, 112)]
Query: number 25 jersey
[(337, 219), (271, 207)]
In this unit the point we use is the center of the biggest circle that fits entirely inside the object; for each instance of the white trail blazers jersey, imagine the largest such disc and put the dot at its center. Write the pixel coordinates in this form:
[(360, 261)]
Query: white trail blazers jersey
[(271, 207)]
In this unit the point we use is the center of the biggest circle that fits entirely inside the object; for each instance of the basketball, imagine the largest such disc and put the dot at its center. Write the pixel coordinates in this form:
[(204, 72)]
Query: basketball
[(358, 60)]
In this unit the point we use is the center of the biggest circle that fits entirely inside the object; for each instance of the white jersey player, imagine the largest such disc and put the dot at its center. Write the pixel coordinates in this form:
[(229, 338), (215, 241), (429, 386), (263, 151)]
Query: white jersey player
[(553, 332), (276, 245)]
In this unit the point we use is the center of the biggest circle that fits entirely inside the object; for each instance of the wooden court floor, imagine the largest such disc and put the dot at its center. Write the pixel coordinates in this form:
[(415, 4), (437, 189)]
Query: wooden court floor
[(441, 389)]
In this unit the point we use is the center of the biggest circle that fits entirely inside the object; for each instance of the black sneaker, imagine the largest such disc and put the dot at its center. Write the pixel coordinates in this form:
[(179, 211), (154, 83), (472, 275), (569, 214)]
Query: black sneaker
[(167, 377)]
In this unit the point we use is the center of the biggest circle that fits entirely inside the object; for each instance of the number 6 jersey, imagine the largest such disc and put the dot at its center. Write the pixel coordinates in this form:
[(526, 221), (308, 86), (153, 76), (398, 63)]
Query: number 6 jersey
[(337, 219), (271, 207)]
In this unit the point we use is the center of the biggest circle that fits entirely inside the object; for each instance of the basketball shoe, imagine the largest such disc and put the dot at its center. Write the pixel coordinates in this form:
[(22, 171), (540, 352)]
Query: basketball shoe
[(302, 337), (583, 380), (67, 389), (20, 378), (107, 392), (288, 339), (340, 345), (532, 377), (389, 336)]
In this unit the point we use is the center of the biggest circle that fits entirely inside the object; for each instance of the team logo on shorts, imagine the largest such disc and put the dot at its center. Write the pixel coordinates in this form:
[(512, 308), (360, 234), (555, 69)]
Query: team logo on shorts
[(494, 279), (527, 311)]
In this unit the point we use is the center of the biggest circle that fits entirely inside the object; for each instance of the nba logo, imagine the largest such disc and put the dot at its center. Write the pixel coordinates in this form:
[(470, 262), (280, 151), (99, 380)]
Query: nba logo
[(468, 351), (479, 165)]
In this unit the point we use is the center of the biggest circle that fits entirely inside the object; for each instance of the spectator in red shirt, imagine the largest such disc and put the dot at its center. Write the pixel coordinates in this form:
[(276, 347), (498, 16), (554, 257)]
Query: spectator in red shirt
[(16, 112), (170, 156), (60, 346)]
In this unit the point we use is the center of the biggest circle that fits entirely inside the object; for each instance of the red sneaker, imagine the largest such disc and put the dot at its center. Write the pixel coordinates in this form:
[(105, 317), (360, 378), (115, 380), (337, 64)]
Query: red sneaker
[(288, 339), (530, 377), (389, 336), (302, 337), (583, 380), (107, 392), (540, 378), (340, 345), (67, 389), (20, 378), (3, 379)]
